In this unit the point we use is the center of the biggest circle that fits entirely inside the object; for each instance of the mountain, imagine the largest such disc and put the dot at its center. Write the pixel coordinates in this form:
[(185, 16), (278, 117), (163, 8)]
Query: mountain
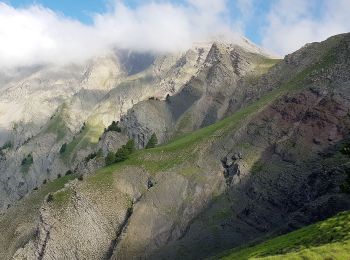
[(47, 108), (254, 147)]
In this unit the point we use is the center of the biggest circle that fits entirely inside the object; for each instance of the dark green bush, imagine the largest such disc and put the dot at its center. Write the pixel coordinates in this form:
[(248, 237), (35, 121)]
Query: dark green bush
[(130, 146), (153, 141), (50, 198), (90, 157), (63, 148), (27, 160), (123, 153), (114, 127), (110, 159), (69, 172), (6, 145)]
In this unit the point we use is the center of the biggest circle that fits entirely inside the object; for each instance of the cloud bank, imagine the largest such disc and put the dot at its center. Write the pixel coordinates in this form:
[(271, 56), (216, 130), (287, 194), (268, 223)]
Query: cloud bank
[(37, 35), (291, 24)]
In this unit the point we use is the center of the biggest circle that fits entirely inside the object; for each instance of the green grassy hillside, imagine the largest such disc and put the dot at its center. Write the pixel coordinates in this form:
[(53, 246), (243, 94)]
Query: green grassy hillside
[(329, 239)]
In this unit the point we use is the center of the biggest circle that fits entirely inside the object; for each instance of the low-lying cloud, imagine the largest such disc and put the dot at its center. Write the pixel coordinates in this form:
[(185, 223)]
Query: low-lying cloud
[(38, 35)]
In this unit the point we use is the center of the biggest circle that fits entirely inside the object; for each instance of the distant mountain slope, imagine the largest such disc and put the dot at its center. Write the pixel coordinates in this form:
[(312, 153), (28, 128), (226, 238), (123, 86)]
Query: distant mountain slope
[(271, 167), (50, 108)]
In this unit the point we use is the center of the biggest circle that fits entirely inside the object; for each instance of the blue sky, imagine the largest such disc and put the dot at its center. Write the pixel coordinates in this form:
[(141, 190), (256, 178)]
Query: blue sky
[(64, 31)]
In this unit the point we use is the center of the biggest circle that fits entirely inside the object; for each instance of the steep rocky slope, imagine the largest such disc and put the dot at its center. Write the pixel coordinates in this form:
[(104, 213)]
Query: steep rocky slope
[(271, 167), (89, 98), (228, 71)]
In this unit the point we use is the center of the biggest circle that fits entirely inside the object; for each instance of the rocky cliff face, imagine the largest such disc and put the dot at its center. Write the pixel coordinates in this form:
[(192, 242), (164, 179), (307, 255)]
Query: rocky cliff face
[(228, 71)]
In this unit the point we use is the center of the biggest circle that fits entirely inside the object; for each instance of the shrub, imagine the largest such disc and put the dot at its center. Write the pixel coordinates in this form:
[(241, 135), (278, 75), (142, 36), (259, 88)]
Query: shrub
[(45, 181), (110, 159), (27, 160), (6, 145), (99, 153), (63, 148), (90, 157), (81, 178), (69, 172), (50, 198), (82, 128), (114, 127), (59, 176), (130, 146), (122, 154), (153, 141)]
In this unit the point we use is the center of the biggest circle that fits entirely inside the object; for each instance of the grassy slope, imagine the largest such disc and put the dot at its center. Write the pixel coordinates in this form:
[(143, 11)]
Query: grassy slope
[(89, 136), (329, 239)]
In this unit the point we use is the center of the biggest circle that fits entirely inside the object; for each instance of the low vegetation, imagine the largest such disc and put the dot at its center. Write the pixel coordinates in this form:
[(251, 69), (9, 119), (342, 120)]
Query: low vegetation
[(94, 155), (153, 141), (329, 239), (113, 127), (7, 145), (122, 154), (63, 148), (27, 162)]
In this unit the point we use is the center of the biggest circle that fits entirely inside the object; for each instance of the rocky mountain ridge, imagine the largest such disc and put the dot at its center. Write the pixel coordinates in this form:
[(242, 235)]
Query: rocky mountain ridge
[(101, 92), (273, 165)]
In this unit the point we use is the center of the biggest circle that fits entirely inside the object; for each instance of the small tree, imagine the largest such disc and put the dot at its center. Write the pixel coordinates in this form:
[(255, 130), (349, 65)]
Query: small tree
[(153, 141), (110, 159), (27, 160), (6, 145), (50, 198), (130, 146), (63, 148), (114, 127), (122, 154)]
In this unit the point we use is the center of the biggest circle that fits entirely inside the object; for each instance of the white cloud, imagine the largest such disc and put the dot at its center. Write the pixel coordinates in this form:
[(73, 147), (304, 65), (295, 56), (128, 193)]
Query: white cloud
[(246, 8), (39, 35), (291, 24)]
